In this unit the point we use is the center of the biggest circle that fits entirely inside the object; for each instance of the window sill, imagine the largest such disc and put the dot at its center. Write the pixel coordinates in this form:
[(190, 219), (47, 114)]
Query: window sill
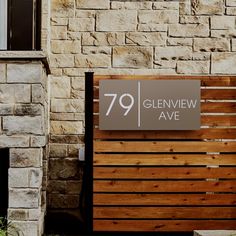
[(26, 55)]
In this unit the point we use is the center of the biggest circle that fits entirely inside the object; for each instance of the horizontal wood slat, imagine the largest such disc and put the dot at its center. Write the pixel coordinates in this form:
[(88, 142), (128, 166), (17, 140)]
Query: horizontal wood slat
[(165, 212), (164, 186), (163, 199), (162, 225), (211, 120), (206, 107), (164, 146), (164, 173), (211, 94), (164, 159), (167, 134), (205, 80)]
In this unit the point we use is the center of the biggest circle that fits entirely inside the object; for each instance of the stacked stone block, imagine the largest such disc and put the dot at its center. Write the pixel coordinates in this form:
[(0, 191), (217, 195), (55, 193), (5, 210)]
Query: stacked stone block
[(125, 37), (24, 129)]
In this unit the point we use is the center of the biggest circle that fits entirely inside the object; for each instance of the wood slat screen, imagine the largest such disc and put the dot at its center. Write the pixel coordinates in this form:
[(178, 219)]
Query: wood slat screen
[(169, 181)]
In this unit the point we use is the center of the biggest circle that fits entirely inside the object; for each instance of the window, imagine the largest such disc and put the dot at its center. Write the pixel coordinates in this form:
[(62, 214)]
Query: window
[(20, 24)]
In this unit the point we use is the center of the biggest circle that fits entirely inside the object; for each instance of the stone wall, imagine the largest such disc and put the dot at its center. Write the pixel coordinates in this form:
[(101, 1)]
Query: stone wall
[(124, 37), (24, 130)]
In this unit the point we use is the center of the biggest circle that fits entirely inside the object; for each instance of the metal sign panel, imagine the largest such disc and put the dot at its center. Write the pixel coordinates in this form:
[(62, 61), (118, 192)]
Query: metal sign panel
[(149, 104)]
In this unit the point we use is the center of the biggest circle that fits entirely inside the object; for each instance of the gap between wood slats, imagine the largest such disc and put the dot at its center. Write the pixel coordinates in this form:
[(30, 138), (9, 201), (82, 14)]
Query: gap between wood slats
[(164, 159), (211, 94), (205, 80), (164, 146), (206, 107), (208, 120), (167, 134), (163, 199), (162, 225), (164, 173), (164, 186), (164, 212)]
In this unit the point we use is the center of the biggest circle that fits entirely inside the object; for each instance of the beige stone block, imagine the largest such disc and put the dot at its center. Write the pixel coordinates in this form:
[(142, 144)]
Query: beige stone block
[(81, 24), (56, 71), (24, 198), (62, 60), (223, 33), (62, 8), (67, 116), (71, 35), (38, 141), (117, 5), (55, 21), (18, 214), (206, 7), (152, 27), (179, 42), (234, 45), (231, 3), (211, 44), (24, 73), (189, 30), (60, 87), (146, 39), (116, 20), (91, 4), (231, 11), (30, 157), (67, 105), (193, 67), (2, 73), (66, 127), (27, 228), (166, 5), (96, 50), (65, 46), (59, 32), (6, 109), (103, 39), (58, 150), (223, 22), (158, 17), (185, 7), (173, 53), (85, 13), (132, 56), (34, 214), (223, 63), (194, 19), (23, 125), (93, 60), (73, 150), (18, 177), (15, 93), (14, 141)]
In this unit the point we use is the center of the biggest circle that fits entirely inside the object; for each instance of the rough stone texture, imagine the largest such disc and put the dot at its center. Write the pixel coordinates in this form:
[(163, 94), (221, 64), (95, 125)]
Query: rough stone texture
[(223, 63), (206, 7), (222, 22), (116, 20), (2, 73), (132, 57), (189, 30), (211, 45), (123, 37), (193, 67)]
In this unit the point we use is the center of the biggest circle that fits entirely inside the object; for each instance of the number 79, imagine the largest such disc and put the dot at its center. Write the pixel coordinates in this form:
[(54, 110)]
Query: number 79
[(121, 103)]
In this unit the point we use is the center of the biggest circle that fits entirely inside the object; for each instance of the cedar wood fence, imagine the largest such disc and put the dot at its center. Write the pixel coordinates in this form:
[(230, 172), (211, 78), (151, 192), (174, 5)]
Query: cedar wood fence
[(164, 181)]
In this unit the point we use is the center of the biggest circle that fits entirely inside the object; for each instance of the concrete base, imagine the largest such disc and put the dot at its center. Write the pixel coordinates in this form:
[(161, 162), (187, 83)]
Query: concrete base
[(214, 233)]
